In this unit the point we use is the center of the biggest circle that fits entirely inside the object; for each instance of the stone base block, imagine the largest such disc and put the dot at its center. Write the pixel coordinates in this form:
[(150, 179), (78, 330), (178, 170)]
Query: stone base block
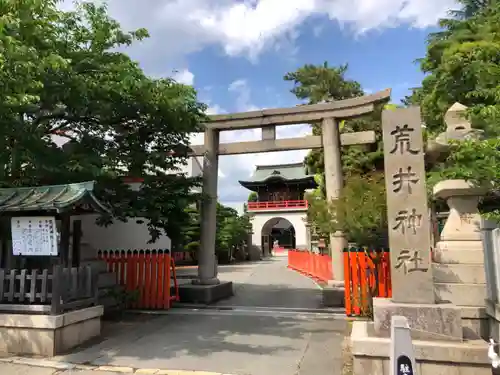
[(446, 256), (428, 322), (205, 294), (459, 273), (48, 335), (475, 323), (493, 314), (461, 294), (371, 355), (333, 296)]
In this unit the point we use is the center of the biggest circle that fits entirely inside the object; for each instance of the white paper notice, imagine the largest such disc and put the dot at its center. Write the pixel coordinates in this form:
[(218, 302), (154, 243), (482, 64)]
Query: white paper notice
[(34, 236)]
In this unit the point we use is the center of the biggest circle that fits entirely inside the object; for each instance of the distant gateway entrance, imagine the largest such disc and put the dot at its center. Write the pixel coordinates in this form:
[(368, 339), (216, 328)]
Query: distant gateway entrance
[(280, 231), (279, 208)]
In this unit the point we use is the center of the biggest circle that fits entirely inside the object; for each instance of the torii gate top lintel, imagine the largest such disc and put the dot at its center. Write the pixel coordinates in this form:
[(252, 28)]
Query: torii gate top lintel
[(339, 109), (268, 119)]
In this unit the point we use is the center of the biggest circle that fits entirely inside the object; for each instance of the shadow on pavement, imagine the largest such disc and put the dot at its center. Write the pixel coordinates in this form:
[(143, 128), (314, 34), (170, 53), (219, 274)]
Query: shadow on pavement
[(229, 343), (242, 342), (274, 295)]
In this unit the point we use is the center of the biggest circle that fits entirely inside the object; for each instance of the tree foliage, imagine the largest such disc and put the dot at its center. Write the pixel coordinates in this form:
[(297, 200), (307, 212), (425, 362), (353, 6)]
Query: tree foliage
[(462, 64), (360, 213), (253, 197), (62, 75), (232, 231), (324, 84)]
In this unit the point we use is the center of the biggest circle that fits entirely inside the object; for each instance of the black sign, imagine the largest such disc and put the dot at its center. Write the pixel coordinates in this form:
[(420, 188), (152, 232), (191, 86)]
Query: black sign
[(404, 366)]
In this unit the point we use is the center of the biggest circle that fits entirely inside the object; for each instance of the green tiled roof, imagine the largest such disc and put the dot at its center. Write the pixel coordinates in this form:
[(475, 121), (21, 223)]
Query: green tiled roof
[(285, 172), (49, 198)]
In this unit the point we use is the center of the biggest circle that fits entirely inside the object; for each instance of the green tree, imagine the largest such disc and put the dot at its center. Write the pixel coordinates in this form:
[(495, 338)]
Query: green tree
[(462, 64), (324, 84), (190, 235), (469, 8), (253, 197), (232, 231), (361, 212), (62, 74)]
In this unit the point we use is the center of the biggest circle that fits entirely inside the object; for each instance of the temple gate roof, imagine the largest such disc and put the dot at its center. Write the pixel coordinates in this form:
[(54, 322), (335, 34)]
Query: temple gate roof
[(294, 173)]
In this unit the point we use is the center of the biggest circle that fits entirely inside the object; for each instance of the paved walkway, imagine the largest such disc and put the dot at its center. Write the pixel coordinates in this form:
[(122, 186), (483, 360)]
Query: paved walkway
[(269, 283), (271, 326)]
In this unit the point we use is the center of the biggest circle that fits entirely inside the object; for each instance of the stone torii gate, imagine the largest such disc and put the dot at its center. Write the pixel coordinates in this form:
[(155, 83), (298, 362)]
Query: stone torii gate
[(330, 114)]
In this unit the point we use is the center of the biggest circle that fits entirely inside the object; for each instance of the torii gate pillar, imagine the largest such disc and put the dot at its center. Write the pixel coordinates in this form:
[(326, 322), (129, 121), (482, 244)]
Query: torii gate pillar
[(334, 181)]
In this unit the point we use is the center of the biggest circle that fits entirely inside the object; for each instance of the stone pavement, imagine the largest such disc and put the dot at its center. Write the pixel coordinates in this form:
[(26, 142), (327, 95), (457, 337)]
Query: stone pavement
[(273, 325), (269, 283)]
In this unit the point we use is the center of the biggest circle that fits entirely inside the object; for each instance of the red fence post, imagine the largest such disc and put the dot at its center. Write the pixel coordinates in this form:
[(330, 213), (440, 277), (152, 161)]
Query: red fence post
[(147, 272), (347, 283), (316, 266), (361, 273)]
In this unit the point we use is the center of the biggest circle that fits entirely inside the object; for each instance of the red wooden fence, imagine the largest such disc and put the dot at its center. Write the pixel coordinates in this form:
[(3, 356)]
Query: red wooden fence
[(316, 266), (366, 275), (151, 273)]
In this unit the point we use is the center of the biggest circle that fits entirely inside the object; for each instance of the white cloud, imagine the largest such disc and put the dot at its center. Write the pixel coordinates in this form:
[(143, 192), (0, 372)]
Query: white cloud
[(184, 76), (179, 27), (215, 109), (242, 91)]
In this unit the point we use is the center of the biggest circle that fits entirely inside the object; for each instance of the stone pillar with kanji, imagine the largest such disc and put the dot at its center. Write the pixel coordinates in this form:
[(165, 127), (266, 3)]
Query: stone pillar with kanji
[(408, 221)]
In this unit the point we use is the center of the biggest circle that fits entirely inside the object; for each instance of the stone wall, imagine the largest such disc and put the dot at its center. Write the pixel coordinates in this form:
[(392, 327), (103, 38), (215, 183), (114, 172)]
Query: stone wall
[(48, 335), (371, 355)]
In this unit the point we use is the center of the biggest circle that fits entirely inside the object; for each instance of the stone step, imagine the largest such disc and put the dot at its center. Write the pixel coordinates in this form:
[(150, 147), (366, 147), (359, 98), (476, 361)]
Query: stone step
[(461, 294), (459, 273)]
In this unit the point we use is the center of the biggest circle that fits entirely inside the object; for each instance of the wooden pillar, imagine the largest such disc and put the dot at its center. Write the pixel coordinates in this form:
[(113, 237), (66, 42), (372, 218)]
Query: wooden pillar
[(65, 239), (75, 254)]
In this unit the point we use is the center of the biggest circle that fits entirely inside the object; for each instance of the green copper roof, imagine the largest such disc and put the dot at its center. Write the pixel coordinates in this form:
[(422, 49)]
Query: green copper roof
[(286, 172), (49, 198)]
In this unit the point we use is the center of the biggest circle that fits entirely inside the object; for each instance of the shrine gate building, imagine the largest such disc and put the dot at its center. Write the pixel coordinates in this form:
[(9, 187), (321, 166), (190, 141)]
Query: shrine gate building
[(280, 208)]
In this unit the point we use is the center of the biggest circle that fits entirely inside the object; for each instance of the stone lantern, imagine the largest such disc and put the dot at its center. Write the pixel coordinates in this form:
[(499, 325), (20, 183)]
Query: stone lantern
[(458, 261)]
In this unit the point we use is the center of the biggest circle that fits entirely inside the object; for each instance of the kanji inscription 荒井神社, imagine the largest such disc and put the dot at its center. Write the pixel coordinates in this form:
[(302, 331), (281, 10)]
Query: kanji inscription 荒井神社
[(408, 217)]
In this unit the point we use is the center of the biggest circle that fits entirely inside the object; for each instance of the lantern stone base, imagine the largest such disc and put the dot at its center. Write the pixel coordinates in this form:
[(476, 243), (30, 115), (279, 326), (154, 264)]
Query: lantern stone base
[(48, 335), (371, 354)]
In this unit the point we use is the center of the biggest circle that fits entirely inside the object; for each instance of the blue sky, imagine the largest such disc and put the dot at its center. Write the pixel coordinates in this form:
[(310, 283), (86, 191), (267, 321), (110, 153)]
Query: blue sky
[(378, 60), (236, 52)]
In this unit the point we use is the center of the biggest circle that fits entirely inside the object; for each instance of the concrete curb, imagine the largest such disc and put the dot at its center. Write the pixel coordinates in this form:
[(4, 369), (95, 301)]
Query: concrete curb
[(56, 365)]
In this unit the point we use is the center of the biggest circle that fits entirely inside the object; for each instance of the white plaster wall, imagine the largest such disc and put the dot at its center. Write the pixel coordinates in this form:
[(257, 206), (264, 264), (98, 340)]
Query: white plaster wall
[(129, 235), (118, 236), (295, 218)]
